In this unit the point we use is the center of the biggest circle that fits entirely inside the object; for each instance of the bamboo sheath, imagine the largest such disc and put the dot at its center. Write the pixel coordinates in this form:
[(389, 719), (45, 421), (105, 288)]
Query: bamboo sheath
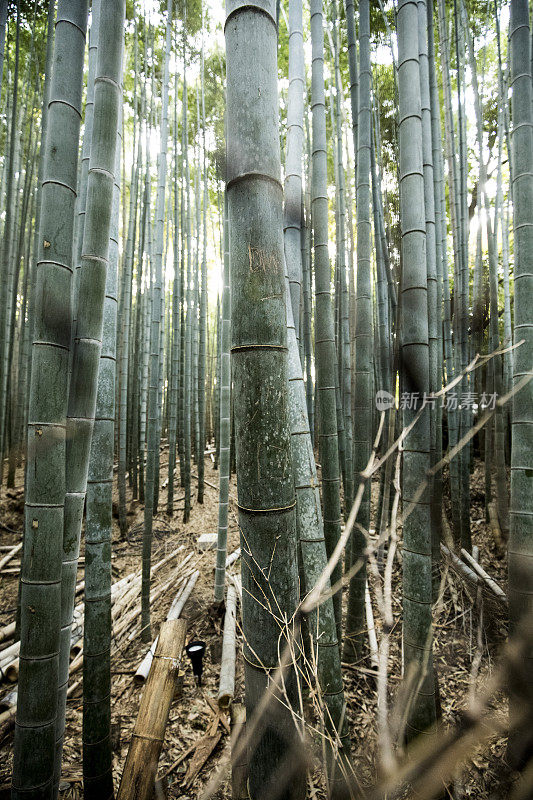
[(143, 755)]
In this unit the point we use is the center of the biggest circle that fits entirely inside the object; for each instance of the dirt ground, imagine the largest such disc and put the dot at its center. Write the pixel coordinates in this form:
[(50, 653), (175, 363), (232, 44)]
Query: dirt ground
[(191, 715)]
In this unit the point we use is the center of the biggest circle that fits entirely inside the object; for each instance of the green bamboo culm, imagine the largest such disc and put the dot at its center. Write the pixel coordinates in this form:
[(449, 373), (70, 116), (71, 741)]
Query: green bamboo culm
[(224, 435), (521, 508), (155, 331), (292, 210), (202, 337), (23, 403), (188, 293), (90, 320), (265, 485), (324, 328), (176, 304), (431, 267), (33, 764), (417, 577), (3, 22), (344, 357), (5, 253), (308, 509), (97, 630), (362, 419)]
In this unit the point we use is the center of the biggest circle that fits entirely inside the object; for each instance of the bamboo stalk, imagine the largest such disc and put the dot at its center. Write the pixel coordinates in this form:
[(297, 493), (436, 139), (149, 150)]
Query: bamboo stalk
[(141, 762)]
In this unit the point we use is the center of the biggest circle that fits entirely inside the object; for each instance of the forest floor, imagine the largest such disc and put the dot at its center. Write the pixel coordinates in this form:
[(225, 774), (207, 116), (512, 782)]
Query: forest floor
[(192, 714)]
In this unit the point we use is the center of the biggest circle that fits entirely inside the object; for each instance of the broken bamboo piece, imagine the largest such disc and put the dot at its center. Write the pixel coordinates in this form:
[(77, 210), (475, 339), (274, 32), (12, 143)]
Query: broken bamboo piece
[(145, 748)]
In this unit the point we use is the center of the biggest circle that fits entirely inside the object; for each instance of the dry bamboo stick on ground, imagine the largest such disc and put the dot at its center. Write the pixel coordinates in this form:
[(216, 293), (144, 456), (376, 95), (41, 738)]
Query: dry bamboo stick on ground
[(7, 720), (7, 632), (233, 557), (226, 687), (484, 576), (143, 755), (464, 570), (9, 700), (154, 595), (13, 552), (175, 610), (144, 667)]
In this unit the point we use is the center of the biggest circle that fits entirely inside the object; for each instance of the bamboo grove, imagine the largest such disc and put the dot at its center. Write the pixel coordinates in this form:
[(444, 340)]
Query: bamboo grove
[(290, 244)]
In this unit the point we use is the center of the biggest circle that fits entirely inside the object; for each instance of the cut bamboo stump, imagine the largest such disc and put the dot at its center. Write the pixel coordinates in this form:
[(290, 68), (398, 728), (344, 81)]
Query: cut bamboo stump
[(139, 772)]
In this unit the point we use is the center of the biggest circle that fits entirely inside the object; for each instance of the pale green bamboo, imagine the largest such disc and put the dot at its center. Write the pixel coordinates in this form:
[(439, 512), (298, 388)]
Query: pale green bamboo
[(176, 303), (362, 428), (97, 628), (203, 304), (225, 407), (155, 330), (324, 326), (6, 248)]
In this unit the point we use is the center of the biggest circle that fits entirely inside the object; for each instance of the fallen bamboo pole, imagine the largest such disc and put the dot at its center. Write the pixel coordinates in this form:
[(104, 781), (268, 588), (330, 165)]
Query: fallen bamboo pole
[(154, 595), (174, 612), (226, 687), (13, 552), (140, 769), (484, 576), (460, 566), (233, 557), (7, 632)]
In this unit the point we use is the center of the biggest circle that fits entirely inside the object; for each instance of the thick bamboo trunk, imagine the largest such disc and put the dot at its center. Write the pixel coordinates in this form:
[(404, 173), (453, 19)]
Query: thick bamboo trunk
[(266, 496), (521, 508), (417, 550), (40, 601)]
